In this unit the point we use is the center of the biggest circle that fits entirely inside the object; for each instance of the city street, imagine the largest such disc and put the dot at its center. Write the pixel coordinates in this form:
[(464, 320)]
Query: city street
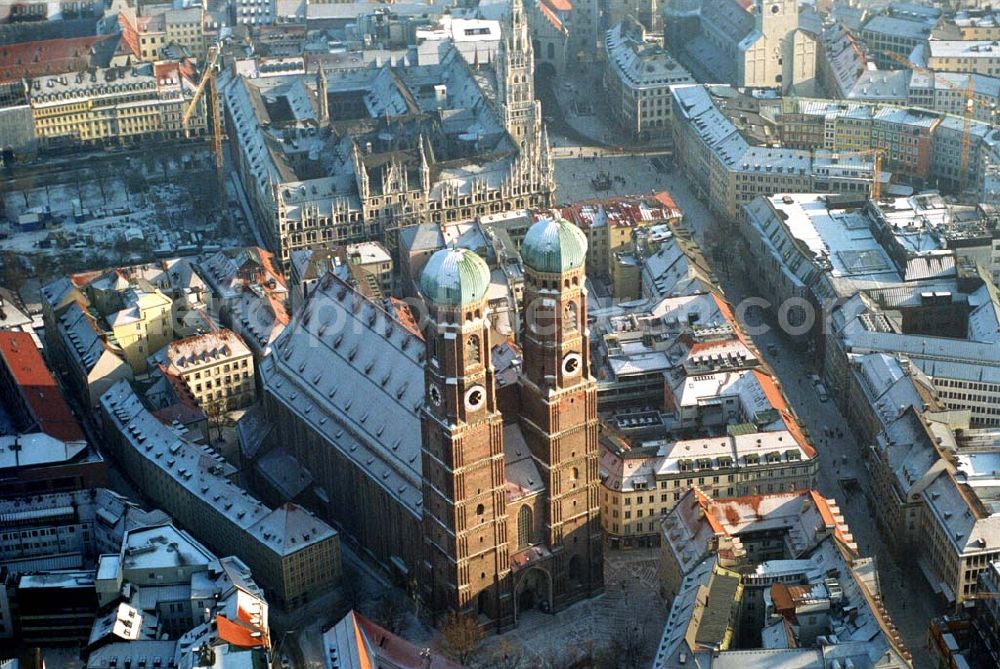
[(908, 597)]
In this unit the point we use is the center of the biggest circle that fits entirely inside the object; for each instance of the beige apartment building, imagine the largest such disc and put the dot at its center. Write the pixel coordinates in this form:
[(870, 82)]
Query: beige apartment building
[(934, 481), (115, 104), (143, 326), (974, 56), (728, 171), (217, 368), (970, 24), (959, 529), (644, 483), (638, 75), (149, 35)]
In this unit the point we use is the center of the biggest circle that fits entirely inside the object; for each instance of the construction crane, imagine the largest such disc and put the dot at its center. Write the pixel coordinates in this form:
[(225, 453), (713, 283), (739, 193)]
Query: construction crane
[(876, 191), (208, 81), (968, 94)]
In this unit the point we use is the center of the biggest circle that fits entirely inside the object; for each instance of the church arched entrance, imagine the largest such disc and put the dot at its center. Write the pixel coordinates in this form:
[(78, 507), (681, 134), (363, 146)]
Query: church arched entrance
[(534, 592)]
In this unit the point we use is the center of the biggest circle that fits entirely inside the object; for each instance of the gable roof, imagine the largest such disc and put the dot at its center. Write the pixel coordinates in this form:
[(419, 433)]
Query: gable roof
[(39, 391), (342, 356)]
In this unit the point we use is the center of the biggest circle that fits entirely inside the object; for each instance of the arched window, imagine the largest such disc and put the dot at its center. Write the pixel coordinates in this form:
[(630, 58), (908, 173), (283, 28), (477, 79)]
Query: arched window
[(571, 317), (524, 529), (472, 349)]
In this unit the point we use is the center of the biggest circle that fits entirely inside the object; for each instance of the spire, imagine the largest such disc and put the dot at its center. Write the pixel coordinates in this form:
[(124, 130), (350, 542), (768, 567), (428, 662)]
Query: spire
[(361, 173), (545, 158), (516, 13), (519, 40), (321, 97), (425, 168), (515, 68)]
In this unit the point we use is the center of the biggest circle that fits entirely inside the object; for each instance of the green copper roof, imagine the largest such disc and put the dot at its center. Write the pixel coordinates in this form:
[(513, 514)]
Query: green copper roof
[(554, 246), (453, 277)]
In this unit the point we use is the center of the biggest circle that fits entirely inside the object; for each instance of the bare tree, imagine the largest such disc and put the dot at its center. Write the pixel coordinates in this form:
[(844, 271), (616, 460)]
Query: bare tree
[(391, 611), (135, 182), (461, 636), (625, 649), (217, 418), (27, 184), (79, 188), (507, 655), (352, 587), (103, 173), (12, 274)]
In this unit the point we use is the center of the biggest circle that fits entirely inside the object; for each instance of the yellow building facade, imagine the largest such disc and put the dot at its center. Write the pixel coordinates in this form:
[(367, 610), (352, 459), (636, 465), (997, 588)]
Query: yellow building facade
[(116, 105)]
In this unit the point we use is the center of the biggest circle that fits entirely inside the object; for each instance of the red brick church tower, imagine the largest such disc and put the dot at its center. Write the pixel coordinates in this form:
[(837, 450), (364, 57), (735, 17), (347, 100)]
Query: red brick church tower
[(467, 566), (510, 503), (559, 405)]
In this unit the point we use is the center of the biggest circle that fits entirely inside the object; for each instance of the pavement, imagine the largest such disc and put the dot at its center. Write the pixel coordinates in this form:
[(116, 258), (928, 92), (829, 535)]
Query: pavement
[(578, 116), (630, 601), (575, 167)]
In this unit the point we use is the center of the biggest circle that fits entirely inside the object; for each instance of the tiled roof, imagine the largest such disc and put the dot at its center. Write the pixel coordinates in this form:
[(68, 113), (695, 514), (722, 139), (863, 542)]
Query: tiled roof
[(55, 56), (39, 390)]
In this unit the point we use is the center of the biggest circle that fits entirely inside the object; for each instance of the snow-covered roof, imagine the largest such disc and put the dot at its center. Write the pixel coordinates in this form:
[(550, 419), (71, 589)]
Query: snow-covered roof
[(639, 63), (162, 547), (342, 357), (729, 451), (185, 355), (37, 449), (200, 472)]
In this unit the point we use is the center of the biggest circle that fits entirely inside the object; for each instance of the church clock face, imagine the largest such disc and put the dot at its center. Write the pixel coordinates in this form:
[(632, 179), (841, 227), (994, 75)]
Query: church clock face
[(775, 9), (475, 397), (572, 364), (434, 395)]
